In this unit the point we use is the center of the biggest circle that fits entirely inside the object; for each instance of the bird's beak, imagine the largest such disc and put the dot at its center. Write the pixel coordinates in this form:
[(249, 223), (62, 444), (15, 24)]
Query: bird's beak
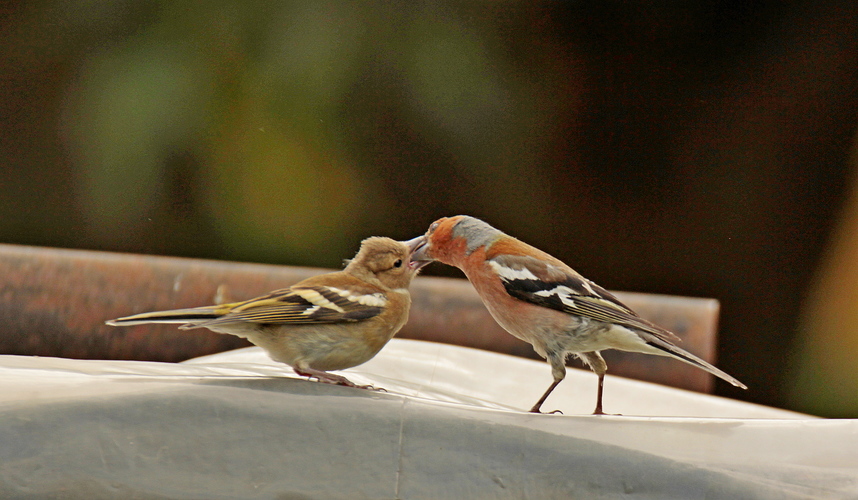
[(418, 247)]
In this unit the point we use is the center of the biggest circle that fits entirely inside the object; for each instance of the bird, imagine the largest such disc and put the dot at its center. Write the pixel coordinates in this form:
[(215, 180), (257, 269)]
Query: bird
[(539, 299), (327, 322)]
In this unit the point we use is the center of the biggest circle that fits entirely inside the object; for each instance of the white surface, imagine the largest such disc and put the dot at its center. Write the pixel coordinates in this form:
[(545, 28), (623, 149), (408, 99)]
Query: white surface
[(237, 425), (457, 374)]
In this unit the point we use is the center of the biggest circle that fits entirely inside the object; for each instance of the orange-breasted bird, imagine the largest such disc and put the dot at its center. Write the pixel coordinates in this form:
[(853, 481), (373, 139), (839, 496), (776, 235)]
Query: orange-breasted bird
[(541, 300), (328, 322)]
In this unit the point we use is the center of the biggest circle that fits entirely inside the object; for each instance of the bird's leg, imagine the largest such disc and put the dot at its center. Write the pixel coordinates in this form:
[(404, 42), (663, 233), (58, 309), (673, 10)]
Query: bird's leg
[(598, 365), (330, 378), (558, 370), (598, 410), (538, 404)]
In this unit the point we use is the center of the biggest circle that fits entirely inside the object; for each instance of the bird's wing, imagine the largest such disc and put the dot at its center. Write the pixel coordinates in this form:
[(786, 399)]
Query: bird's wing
[(306, 305), (545, 284), (558, 287)]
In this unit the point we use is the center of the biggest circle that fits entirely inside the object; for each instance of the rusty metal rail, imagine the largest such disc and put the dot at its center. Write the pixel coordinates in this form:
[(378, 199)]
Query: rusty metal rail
[(53, 302)]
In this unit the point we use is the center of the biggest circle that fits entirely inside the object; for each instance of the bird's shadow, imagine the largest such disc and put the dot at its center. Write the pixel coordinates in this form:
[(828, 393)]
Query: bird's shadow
[(288, 385)]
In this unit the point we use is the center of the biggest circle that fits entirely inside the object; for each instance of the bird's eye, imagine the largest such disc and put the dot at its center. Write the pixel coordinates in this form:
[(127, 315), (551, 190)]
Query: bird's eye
[(398, 263), (433, 227)]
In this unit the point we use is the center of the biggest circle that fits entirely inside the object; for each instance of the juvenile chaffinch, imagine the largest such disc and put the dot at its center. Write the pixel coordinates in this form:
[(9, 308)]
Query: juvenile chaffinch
[(541, 300), (328, 322)]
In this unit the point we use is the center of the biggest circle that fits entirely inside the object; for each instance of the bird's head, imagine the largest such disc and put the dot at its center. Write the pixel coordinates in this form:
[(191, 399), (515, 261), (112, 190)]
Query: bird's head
[(451, 239), (387, 260)]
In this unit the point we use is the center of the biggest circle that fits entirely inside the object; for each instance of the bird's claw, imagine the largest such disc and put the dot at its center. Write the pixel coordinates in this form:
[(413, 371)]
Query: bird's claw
[(330, 378), (553, 412), (371, 387)]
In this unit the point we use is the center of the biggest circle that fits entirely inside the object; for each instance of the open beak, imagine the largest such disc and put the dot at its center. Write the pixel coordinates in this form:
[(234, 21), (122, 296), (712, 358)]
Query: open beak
[(418, 248)]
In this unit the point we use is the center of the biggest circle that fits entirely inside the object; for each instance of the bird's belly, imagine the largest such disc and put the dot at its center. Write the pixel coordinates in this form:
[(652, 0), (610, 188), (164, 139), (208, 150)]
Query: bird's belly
[(551, 331), (598, 336), (326, 347), (554, 331)]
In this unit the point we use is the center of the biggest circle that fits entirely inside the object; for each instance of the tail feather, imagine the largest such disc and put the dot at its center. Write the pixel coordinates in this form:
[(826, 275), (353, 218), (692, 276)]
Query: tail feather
[(683, 355), (182, 316)]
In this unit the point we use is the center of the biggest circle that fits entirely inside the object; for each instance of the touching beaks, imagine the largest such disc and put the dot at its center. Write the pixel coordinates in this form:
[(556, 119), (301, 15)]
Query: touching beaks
[(418, 257)]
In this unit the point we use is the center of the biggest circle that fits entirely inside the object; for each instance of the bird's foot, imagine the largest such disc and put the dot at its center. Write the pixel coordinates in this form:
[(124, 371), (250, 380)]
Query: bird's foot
[(598, 412), (371, 387), (536, 409), (333, 379)]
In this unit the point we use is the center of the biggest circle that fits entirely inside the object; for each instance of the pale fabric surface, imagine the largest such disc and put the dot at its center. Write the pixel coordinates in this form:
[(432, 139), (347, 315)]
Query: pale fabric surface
[(237, 425)]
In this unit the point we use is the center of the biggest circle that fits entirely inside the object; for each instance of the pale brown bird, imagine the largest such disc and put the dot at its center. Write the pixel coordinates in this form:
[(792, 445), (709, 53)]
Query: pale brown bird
[(328, 322)]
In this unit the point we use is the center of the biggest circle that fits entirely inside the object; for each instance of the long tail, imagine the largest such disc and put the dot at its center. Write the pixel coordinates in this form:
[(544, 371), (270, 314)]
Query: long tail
[(189, 317), (669, 349)]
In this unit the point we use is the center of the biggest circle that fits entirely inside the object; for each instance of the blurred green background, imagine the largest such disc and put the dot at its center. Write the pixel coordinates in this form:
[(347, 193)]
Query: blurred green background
[(695, 148)]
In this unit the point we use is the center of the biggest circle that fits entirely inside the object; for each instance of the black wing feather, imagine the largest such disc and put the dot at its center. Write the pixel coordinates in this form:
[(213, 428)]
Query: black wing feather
[(292, 306), (569, 292)]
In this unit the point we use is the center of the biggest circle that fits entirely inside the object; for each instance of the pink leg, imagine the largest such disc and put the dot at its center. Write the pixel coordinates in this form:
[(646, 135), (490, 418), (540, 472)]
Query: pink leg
[(558, 370), (538, 404), (598, 410), (330, 378)]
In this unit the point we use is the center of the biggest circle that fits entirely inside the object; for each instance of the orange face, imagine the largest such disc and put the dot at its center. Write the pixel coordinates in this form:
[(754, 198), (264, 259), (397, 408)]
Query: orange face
[(443, 243)]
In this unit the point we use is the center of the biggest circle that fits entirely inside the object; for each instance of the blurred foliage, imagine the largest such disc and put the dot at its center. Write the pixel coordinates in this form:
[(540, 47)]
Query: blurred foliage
[(821, 373), (694, 149)]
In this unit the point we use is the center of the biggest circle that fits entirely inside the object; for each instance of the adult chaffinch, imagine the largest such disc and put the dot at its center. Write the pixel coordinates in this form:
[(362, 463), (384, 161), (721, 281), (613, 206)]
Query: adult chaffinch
[(328, 322), (541, 300)]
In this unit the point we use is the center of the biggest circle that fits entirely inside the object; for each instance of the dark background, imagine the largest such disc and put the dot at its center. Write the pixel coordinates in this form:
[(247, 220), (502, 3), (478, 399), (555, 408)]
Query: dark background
[(692, 148)]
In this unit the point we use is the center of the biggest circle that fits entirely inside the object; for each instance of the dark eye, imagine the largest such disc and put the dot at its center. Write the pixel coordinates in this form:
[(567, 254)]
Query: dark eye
[(398, 263)]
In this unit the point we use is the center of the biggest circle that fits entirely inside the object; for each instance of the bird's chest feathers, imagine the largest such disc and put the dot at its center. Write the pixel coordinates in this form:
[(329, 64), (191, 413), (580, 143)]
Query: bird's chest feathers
[(541, 326)]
